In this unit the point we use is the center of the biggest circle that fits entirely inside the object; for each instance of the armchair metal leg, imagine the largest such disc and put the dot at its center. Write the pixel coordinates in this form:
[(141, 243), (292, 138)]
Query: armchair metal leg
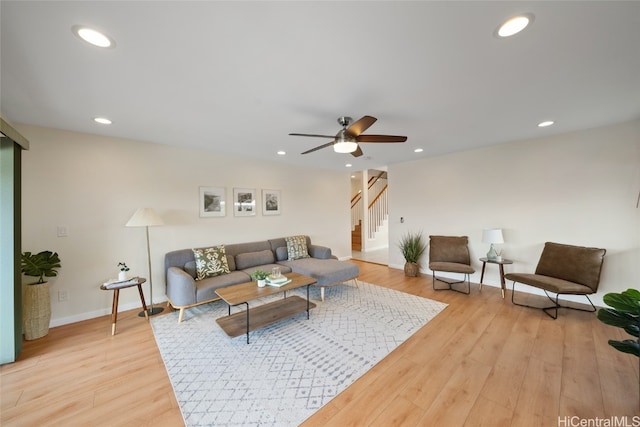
[(449, 283), (555, 305)]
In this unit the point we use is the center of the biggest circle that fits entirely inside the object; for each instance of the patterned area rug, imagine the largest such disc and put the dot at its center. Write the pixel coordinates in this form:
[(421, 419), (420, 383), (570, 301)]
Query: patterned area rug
[(291, 368)]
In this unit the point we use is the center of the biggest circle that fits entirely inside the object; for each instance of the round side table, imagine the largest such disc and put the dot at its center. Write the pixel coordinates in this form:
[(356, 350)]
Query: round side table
[(501, 263), (115, 287)]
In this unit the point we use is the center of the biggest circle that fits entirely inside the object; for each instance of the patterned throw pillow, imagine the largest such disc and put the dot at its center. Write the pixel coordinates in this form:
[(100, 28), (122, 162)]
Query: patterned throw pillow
[(297, 247), (210, 262)]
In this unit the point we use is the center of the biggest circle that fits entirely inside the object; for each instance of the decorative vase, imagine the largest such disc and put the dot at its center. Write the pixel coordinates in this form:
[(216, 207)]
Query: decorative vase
[(122, 275), (261, 283), (36, 313), (411, 269)]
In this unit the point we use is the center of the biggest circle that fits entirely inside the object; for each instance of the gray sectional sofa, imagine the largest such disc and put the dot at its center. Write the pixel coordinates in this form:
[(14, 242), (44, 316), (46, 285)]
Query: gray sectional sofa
[(184, 291)]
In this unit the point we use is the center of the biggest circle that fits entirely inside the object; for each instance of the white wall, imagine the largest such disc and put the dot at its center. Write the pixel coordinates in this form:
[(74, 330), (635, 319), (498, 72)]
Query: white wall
[(92, 185), (579, 188)]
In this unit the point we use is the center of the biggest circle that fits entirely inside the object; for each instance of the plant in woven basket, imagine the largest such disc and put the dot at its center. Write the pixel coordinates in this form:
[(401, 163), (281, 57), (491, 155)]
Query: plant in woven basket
[(40, 265), (412, 247), (36, 309)]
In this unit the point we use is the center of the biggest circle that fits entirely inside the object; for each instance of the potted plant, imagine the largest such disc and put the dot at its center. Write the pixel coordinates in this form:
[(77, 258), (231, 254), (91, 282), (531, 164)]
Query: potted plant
[(37, 302), (260, 277), (625, 314), (123, 271), (412, 247)]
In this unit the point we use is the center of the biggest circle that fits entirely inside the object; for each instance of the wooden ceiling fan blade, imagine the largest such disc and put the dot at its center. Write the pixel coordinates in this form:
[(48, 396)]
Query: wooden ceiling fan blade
[(361, 125), (319, 147), (357, 153), (381, 138), (313, 134)]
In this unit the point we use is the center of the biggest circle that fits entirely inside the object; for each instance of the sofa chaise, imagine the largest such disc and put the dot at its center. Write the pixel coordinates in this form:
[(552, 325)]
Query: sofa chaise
[(185, 289)]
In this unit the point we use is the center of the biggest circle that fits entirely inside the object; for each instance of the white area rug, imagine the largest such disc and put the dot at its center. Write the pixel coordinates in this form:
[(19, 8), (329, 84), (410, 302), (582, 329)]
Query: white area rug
[(291, 368)]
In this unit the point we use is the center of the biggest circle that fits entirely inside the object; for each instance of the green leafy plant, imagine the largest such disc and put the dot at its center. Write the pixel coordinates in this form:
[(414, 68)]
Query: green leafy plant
[(259, 275), (123, 266), (412, 246), (40, 265), (625, 314)]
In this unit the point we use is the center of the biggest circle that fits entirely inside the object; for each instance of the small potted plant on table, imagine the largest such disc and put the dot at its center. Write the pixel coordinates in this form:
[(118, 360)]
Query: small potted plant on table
[(122, 275), (260, 277)]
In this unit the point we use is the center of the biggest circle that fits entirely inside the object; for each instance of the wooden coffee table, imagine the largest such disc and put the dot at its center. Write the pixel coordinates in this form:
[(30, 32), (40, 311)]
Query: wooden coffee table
[(262, 315)]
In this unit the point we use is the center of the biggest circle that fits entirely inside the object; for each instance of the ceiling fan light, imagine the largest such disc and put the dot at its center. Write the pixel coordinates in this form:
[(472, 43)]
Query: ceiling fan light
[(345, 147)]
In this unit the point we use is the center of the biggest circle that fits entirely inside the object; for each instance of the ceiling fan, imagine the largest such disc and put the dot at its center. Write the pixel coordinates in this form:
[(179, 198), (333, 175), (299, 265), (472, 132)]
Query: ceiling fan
[(347, 139)]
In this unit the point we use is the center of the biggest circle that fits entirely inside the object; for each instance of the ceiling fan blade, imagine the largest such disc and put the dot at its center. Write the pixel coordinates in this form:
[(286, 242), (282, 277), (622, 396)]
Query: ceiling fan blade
[(328, 144), (381, 138), (357, 153), (361, 125), (312, 134)]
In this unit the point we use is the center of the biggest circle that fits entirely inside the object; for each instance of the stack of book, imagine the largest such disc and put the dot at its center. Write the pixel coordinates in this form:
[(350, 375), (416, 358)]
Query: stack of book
[(115, 283), (277, 281)]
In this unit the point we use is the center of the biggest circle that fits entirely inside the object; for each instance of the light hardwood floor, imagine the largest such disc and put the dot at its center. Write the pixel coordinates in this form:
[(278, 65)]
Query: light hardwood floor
[(482, 361)]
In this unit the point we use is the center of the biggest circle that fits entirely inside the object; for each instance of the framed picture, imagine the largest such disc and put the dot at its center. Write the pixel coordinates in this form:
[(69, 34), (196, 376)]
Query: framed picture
[(271, 202), (212, 202), (244, 202)]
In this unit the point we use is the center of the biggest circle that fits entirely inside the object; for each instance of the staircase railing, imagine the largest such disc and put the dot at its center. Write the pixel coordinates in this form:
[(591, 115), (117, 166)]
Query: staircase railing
[(356, 210), (378, 212), (378, 209)]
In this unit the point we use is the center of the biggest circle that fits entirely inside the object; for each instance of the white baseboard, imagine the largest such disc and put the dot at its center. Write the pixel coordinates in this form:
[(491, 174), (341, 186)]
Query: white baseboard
[(98, 313)]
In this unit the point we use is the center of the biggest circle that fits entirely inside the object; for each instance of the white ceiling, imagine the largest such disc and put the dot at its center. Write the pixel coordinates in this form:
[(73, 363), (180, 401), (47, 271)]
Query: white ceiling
[(237, 77)]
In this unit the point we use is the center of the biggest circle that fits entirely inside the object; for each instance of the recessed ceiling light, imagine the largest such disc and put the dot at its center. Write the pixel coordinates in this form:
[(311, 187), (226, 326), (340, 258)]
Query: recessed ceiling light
[(281, 153), (92, 36), (418, 150), (514, 25), (348, 165), (545, 124), (102, 120)]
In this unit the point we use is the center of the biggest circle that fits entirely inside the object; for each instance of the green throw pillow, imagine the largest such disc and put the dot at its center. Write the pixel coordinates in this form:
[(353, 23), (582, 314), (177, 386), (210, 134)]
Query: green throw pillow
[(297, 247), (210, 262)]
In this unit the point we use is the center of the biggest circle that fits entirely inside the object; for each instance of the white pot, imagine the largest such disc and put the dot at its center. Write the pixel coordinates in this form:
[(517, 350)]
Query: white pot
[(261, 283), (122, 275)]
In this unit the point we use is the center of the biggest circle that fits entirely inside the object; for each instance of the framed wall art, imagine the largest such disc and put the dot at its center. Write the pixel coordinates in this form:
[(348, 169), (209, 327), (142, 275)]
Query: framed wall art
[(244, 202), (271, 202), (212, 202)]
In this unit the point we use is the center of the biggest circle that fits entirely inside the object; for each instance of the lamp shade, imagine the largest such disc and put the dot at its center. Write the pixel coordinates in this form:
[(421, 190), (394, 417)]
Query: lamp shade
[(144, 217), (492, 235)]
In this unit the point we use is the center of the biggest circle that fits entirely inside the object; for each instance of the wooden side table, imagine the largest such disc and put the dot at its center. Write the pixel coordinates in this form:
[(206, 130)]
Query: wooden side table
[(501, 264), (116, 293)]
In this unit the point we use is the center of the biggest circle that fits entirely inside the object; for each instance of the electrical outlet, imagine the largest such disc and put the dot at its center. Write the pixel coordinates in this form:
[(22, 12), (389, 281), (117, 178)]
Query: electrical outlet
[(63, 295), (62, 231)]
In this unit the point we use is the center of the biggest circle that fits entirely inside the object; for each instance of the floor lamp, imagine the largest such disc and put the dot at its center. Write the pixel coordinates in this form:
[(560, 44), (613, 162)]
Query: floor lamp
[(146, 217)]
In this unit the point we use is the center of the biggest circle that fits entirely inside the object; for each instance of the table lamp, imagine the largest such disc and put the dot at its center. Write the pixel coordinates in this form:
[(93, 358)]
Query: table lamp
[(146, 217), (491, 236)]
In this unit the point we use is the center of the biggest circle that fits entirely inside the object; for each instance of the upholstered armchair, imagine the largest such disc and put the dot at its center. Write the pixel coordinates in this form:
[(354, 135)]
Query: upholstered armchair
[(450, 254)]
